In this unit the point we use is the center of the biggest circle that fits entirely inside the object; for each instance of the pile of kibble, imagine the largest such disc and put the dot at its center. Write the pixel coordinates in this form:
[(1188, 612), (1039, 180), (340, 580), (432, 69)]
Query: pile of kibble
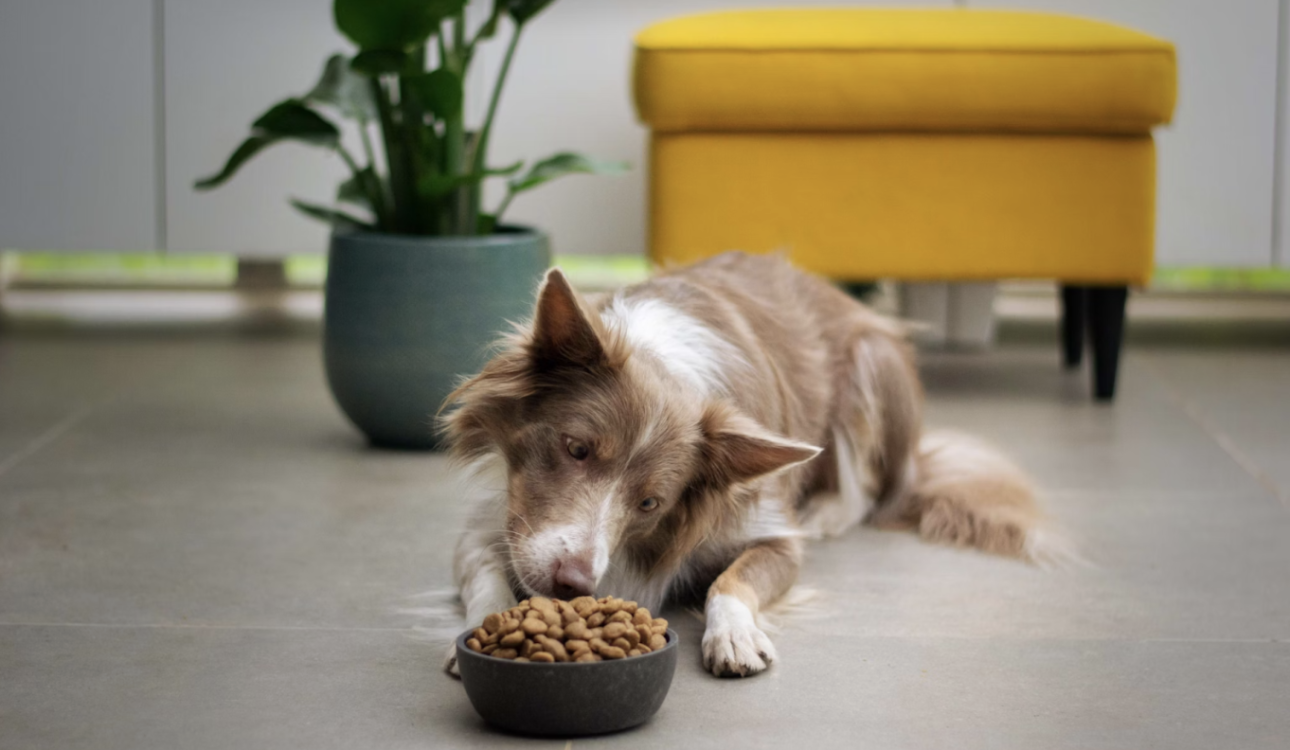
[(584, 629)]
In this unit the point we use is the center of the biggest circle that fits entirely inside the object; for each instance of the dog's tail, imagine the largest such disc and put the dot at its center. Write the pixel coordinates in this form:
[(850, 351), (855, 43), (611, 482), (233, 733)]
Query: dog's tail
[(964, 492)]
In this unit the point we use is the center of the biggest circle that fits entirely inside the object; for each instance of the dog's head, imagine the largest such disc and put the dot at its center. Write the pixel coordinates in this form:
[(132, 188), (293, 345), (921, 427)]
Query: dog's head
[(605, 453)]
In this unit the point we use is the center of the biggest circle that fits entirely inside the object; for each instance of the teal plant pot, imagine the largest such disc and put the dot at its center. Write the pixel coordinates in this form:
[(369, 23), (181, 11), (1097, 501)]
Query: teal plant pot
[(407, 317)]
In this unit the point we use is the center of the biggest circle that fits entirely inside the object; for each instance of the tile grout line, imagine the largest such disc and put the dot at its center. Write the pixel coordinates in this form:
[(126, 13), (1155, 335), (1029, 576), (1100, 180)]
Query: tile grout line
[(1225, 442), (195, 626), (43, 440), (308, 628)]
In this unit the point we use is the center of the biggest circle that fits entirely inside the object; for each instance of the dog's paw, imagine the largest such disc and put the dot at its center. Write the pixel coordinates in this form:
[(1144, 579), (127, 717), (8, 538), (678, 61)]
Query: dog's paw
[(733, 645), (450, 662)]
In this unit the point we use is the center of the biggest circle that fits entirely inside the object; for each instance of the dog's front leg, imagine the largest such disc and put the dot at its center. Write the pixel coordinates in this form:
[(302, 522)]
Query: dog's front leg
[(733, 645), (479, 567)]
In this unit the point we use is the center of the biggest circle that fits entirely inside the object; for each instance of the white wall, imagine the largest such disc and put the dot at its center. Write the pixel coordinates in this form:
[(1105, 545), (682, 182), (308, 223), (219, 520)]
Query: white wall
[(78, 151)]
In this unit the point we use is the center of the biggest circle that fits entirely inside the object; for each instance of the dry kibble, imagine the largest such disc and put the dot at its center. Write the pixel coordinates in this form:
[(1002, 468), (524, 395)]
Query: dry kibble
[(582, 630), (554, 648)]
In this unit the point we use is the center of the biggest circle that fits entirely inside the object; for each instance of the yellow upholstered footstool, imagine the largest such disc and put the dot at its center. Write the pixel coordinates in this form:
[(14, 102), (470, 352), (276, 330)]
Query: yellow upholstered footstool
[(915, 145)]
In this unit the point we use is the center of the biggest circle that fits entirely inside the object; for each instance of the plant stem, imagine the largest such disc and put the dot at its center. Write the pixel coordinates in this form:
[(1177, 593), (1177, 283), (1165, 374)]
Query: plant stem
[(398, 174), (454, 220), (413, 124), (481, 144), (377, 194), (501, 208)]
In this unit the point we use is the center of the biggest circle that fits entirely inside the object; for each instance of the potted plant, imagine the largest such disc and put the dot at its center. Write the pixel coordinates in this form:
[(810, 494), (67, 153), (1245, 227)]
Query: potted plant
[(420, 275)]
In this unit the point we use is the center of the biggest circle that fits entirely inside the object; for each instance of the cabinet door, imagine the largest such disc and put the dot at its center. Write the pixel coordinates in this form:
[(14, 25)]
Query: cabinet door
[(226, 63), (1217, 160), (78, 148)]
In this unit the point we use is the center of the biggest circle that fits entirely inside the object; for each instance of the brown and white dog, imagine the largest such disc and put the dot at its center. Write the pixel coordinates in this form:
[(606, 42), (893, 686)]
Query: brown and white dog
[(683, 437)]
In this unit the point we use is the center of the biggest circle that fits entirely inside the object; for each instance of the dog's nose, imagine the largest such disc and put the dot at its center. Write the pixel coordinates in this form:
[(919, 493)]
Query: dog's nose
[(573, 578)]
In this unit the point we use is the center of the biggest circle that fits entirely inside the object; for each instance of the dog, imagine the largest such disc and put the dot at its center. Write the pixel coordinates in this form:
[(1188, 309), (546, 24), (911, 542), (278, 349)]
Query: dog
[(685, 436)]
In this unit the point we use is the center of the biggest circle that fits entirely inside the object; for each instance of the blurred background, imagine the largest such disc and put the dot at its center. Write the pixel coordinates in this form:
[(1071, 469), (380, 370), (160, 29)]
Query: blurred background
[(96, 170)]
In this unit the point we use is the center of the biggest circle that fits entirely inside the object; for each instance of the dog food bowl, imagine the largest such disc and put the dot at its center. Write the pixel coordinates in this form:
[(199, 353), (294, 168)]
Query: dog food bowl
[(567, 699)]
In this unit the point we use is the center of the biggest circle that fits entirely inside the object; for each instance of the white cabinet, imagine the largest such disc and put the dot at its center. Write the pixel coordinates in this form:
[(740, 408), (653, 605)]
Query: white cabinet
[(226, 62), (1217, 161), (79, 152)]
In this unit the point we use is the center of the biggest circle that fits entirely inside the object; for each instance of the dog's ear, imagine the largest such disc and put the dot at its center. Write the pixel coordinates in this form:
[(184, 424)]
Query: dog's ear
[(737, 449), (565, 331)]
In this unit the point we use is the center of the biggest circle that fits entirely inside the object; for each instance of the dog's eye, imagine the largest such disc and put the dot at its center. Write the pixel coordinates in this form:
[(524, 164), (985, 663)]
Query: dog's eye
[(577, 449), (648, 504)]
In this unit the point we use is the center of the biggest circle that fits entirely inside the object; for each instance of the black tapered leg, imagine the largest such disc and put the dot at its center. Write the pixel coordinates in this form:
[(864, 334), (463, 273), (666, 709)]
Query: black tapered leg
[(1106, 329), (1074, 315)]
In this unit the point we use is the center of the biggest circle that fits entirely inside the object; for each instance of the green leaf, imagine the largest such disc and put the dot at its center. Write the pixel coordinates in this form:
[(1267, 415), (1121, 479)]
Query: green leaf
[(338, 219), (564, 164), (249, 147), (436, 185), (485, 224), (375, 62), (360, 188), (342, 88), (289, 120), (392, 24), (523, 10), (294, 119), (440, 91), (505, 171), (489, 29)]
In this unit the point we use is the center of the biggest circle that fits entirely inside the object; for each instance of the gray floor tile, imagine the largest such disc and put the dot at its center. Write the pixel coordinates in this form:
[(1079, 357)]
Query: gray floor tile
[(237, 561), (1242, 395), (194, 688), (849, 692)]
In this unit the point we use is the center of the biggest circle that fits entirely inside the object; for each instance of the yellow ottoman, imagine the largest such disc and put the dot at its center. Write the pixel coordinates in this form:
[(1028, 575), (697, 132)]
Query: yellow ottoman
[(915, 145)]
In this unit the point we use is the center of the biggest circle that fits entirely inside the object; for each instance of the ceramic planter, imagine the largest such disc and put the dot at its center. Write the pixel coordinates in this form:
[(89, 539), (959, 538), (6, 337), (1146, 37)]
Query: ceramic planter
[(406, 317)]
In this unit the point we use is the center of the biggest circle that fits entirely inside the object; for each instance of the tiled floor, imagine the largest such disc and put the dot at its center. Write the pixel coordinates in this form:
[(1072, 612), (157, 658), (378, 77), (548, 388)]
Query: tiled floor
[(197, 552)]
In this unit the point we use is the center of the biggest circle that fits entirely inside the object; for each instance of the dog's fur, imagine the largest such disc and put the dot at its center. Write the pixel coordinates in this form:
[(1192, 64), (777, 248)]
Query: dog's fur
[(753, 404)]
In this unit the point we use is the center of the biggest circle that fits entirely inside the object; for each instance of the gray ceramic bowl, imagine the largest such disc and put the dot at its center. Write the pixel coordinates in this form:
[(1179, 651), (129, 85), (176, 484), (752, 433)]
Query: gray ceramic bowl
[(567, 699)]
